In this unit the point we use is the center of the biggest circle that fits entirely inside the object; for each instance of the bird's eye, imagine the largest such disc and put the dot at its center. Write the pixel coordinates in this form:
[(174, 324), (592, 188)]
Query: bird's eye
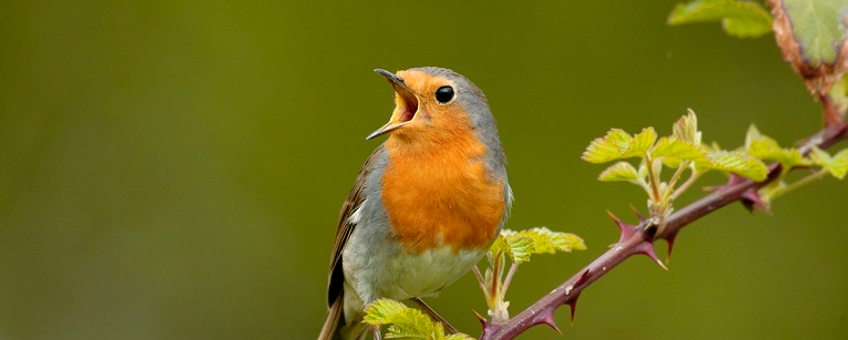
[(444, 94)]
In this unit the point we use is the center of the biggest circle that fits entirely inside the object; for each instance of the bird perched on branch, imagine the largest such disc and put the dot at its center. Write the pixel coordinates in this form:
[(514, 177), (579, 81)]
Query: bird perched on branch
[(427, 204)]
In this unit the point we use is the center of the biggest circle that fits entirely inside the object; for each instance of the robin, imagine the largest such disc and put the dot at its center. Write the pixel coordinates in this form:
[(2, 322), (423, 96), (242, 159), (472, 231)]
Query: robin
[(427, 204)]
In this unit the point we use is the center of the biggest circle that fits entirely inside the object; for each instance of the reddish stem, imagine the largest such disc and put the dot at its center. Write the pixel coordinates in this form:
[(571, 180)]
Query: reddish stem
[(639, 240)]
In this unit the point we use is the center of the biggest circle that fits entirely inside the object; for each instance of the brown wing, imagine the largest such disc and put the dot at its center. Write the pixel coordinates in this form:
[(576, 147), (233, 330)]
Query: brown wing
[(344, 229)]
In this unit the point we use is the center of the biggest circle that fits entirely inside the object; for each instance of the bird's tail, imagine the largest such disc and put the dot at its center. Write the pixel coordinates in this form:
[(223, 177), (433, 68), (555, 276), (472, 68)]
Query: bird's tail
[(335, 328), (334, 323)]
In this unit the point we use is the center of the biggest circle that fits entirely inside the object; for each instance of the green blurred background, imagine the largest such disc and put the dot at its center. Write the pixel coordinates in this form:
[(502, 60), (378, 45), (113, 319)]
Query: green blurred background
[(174, 169)]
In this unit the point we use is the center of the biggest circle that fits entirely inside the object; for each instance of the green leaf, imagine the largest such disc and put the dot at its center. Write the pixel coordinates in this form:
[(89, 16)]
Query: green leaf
[(643, 170), (754, 134), (769, 152), (673, 147), (765, 148), (741, 19), (567, 242), (548, 241), (519, 246), (736, 162), (383, 311), (836, 165), (817, 27), (459, 336), (811, 35), (819, 157), (405, 322), (686, 128), (618, 144), (641, 143), (621, 171), (839, 94), (608, 148), (839, 164), (714, 146)]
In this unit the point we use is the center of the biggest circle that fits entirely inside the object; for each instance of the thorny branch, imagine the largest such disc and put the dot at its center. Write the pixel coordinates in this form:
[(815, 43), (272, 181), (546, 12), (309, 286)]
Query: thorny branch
[(640, 239)]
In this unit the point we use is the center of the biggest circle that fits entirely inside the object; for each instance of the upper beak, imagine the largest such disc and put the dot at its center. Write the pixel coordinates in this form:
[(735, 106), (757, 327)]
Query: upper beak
[(407, 105)]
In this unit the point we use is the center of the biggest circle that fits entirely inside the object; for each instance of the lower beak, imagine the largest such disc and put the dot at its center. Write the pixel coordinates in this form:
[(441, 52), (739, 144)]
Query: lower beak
[(389, 127), (407, 105)]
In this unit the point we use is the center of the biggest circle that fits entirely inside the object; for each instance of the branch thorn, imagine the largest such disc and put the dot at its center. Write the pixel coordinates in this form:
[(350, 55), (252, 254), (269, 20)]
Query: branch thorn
[(734, 180), (647, 249), (573, 305), (488, 327), (669, 239), (637, 213), (547, 317), (626, 230), (751, 199), (582, 278)]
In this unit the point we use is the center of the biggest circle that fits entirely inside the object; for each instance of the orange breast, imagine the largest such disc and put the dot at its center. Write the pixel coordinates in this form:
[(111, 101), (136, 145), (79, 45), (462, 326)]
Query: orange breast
[(442, 195)]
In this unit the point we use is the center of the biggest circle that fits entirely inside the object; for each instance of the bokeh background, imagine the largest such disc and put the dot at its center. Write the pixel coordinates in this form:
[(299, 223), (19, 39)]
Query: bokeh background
[(174, 169)]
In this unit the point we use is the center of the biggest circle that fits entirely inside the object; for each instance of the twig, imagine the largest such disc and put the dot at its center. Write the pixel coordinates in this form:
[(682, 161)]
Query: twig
[(654, 178), (512, 268), (693, 176), (639, 239), (799, 183), (480, 279)]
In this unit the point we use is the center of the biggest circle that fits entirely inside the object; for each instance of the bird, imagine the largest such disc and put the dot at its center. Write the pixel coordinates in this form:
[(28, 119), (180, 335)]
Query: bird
[(427, 204)]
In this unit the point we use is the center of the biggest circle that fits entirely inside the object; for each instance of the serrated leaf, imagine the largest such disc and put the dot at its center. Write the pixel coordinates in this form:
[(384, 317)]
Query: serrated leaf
[(714, 146), (754, 134), (548, 241), (608, 148), (641, 143), (618, 144), (736, 162), (771, 152), (567, 242), (411, 332), (382, 311), (837, 165), (621, 171), (673, 147), (765, 148), (500, 245), (817, 27), (656, 167), (819, 157), (671, 162), (519, 246), (741, 19), (405, 322), (811, 34), (839, 95), (686, 128), (643, 170)]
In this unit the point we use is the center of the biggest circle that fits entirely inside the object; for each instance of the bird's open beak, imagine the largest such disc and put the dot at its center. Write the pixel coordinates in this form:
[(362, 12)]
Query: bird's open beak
[(407, 105)]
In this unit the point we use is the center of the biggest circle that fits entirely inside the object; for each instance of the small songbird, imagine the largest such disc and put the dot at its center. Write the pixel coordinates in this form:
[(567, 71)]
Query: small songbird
[(427, 204)]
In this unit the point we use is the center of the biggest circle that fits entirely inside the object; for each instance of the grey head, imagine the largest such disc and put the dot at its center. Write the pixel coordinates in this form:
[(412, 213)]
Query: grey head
[(430, 98)]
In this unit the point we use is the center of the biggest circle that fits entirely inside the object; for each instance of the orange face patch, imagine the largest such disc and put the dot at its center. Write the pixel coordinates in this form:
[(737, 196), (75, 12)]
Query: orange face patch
[(437, 188), (432, 118)]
